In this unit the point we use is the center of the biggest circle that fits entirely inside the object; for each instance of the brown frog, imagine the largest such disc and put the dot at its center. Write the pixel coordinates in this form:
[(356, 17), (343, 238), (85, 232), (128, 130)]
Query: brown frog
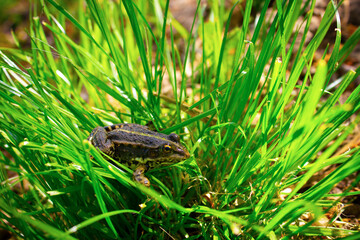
[(138, 147)]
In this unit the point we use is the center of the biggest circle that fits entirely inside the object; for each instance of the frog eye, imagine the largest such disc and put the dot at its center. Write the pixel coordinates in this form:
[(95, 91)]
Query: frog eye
[(167, 148)]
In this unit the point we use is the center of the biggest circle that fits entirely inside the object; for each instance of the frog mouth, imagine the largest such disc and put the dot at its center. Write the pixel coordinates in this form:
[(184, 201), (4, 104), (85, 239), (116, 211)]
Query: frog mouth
[(163, 160), (166, 160)]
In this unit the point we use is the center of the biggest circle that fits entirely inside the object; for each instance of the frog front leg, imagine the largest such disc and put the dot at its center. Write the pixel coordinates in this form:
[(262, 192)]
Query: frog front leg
[(98, 138), (140, 177)]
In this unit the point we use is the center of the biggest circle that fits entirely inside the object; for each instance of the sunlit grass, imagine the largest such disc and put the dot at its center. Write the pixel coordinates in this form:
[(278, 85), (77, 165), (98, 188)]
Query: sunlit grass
[(257, 122)]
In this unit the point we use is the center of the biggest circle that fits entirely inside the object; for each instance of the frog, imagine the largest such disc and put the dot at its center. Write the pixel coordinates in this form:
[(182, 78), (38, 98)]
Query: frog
[(138, 147)]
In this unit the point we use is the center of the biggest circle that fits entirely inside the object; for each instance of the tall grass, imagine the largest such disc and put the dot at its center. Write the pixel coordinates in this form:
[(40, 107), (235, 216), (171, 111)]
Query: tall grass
[(255, 118)]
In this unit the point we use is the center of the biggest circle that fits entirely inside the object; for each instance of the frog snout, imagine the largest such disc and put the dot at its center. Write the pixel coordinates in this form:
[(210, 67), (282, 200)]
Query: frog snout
[(185, 153)]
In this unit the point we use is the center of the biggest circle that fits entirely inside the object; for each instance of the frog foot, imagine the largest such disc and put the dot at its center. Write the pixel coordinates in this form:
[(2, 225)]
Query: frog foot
[(140, 177)]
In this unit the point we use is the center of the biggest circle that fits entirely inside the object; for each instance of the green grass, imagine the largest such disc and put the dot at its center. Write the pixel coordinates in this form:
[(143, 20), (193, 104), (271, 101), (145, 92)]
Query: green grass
[(255, 119)]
